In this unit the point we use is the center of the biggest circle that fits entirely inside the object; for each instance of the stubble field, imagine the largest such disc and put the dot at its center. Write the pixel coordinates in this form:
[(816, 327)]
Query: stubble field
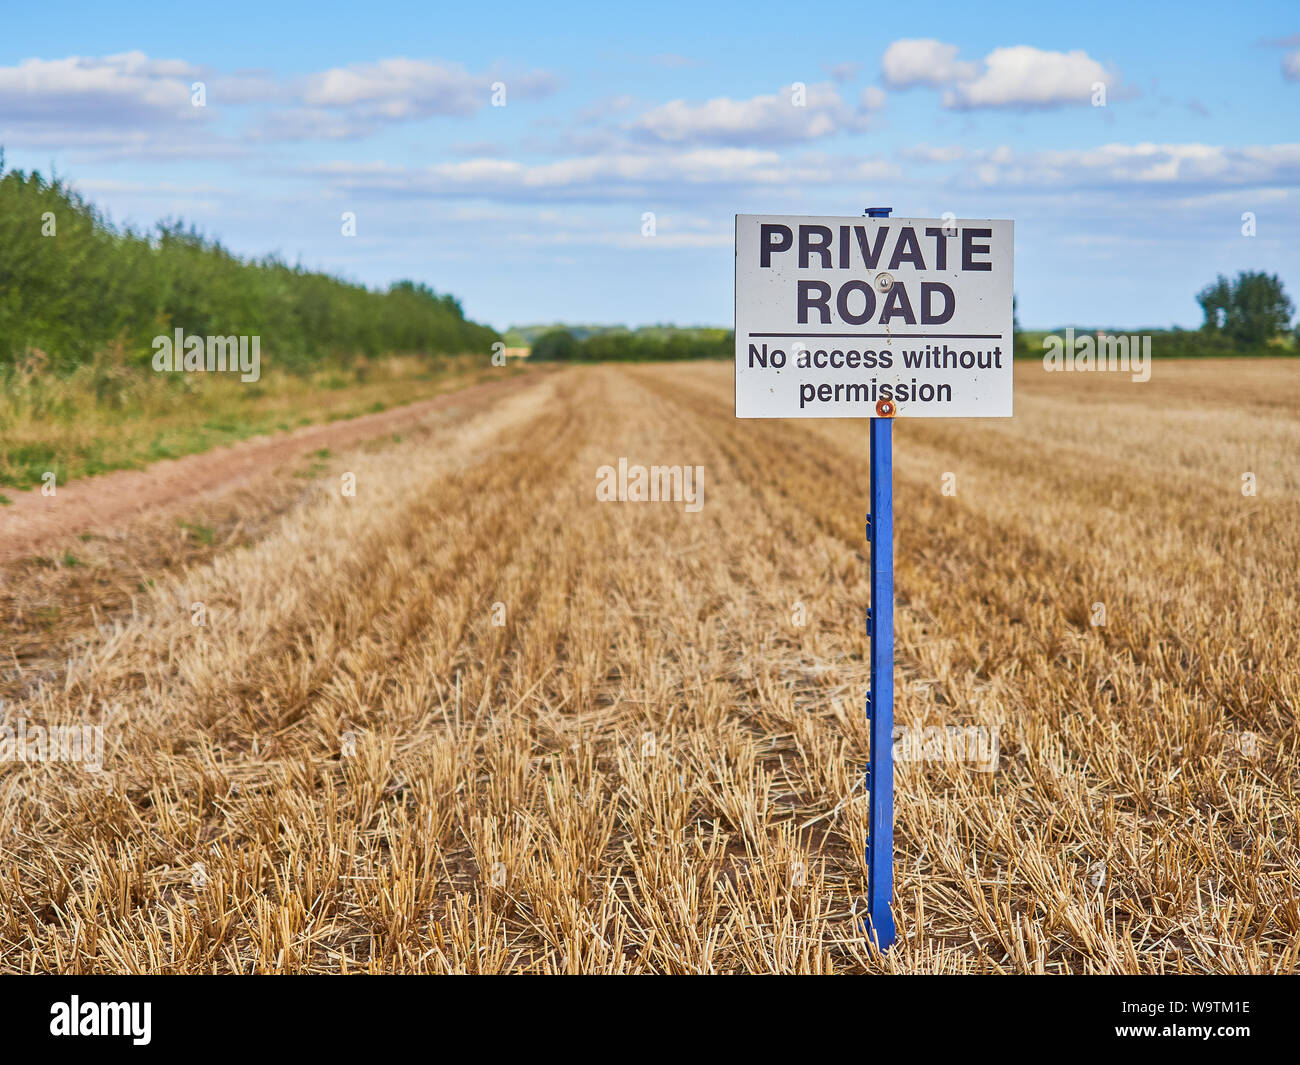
[(473, 719)]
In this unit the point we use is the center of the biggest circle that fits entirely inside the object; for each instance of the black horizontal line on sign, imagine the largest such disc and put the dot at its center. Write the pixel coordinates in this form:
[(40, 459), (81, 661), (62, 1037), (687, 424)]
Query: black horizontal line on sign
[(891, 336)]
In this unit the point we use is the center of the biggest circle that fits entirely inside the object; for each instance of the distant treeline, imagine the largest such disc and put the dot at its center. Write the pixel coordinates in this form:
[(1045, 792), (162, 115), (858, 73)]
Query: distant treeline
[(72, 284), (1180, 342), (1165, 343), (1246, 315), (652, 344)]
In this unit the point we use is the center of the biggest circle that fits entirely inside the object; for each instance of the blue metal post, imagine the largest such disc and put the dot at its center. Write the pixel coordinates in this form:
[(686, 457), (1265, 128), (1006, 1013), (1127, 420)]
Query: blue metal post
[(880, 699)]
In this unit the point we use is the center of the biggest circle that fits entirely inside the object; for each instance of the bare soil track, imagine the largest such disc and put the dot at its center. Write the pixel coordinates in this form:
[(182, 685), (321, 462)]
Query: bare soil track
[(475, 720), (34, 520)]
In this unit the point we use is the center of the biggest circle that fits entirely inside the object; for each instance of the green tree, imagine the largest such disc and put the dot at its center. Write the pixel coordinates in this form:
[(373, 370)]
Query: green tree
[(1215, 298), (1250, 310), (1019, 345), (72, 285), (557, 345)]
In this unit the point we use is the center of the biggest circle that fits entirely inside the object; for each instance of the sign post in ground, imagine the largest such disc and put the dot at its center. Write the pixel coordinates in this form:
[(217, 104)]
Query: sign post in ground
[(874, 317)]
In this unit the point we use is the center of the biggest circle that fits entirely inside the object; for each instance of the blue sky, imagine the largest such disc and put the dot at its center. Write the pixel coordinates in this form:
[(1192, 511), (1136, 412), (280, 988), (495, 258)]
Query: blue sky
[(534, 211)]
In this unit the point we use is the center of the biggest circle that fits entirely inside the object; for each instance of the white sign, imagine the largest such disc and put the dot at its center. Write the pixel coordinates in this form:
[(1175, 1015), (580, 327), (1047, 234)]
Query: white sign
[(835, 315)]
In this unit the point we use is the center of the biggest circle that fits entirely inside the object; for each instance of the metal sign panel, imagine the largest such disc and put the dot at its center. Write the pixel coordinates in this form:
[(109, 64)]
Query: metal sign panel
[(835, 314)]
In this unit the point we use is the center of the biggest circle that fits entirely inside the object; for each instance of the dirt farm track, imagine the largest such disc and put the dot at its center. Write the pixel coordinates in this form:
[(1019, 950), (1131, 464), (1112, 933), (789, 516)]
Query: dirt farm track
[(472, 718)]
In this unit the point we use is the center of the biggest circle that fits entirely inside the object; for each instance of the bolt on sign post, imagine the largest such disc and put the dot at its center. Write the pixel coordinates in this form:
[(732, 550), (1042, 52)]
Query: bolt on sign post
[(881, 318)]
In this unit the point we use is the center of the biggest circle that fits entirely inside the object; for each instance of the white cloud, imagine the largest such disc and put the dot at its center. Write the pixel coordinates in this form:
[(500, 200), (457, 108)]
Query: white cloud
[(671, 232), (1139, 165), (414, 88), (354, 101), (680, 175), (398, 88), (923, 153), (924, 61), (1020, 77), (769, 119), (616, 176), (1026, 77), (1291, 66), (76, 100), (120, 91), (872, 99)]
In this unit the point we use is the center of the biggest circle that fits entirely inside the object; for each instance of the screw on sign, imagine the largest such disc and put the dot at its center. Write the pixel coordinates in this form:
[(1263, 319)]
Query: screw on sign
[(880, 318)]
